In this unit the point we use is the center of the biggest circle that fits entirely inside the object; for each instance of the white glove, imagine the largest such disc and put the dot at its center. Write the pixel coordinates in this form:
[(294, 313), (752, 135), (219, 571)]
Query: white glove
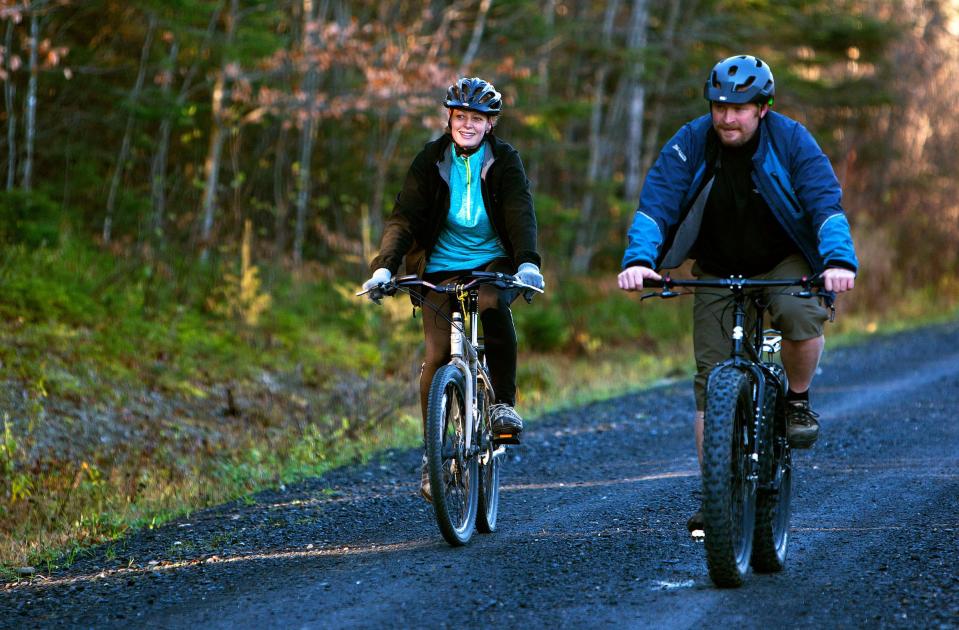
[(380, 276), (528, 273)]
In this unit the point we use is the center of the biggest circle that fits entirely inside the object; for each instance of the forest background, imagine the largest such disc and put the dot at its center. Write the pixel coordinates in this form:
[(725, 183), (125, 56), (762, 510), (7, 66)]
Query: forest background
[(193, 189)]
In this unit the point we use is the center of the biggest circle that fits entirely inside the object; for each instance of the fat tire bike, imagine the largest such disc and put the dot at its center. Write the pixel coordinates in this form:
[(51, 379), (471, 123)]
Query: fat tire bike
[(747, 471), (462, 453)]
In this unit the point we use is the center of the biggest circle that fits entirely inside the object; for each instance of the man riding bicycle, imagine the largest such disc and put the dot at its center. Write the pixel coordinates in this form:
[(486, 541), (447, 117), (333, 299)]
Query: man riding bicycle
[(465, 206), (746, 191)]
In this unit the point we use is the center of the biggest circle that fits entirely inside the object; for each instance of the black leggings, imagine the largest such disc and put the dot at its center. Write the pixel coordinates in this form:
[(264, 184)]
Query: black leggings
[(499, 335)]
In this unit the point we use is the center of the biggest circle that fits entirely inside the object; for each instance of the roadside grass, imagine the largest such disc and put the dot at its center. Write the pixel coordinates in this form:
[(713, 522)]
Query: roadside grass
[(134, 393)]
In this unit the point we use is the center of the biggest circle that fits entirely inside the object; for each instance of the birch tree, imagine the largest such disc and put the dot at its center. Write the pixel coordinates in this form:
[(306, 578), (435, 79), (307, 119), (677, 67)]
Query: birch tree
[(10, 98), (158, 165), (159, 162), (637, 97), (128, 131), (30, 123), (218, 132), (310, 42), (583, 246)]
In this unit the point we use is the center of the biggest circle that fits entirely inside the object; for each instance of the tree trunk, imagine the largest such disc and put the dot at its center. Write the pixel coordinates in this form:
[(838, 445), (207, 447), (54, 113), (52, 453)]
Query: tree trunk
[(217, 137), (280, 195), (381, 154), (128, 131), (307, 131), (10, 96), (637, 98), (31, 118), (650, 150), (583, 246), (158, 165), (542, 93), (478, 27)]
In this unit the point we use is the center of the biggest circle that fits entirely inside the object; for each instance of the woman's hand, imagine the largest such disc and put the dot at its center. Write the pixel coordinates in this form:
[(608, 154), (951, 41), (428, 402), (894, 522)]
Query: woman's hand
[(380, 276), (528, 273)]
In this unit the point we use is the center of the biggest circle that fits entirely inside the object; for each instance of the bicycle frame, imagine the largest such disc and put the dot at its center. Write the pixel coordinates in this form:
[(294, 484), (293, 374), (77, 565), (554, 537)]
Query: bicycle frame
[(464, 331), (745, 354), (464, 353)]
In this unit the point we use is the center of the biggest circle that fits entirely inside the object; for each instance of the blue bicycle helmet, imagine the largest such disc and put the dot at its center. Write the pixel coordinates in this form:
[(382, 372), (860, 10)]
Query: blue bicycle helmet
[(740, 79), (476, 95)]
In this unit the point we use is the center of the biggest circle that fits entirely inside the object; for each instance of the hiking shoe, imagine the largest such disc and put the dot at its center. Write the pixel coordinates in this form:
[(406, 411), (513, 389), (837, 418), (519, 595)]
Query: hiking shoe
[(803, 427), (696, 524), (425, 481), (505, 419)]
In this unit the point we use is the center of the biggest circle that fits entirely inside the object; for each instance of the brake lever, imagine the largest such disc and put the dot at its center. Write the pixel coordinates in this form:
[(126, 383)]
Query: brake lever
[(528, 295), (665, 294)]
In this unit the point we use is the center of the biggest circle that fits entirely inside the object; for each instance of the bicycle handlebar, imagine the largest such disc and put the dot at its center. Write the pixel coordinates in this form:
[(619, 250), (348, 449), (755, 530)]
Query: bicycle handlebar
[(738, 283), (806, 282), (475, 280)]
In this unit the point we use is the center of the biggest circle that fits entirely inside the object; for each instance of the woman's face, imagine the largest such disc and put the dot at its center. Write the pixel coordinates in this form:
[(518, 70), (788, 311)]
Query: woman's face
[(469, 128)]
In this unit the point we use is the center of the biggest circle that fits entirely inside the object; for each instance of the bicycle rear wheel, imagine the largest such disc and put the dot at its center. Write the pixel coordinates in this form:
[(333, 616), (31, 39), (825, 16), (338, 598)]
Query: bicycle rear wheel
[(771, 536), (729, 492), (453, 470), (489, 466)]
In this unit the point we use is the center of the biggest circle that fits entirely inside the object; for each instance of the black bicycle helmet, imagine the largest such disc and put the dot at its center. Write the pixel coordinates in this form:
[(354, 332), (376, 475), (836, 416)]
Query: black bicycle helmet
[(476, 95), (740, 79)]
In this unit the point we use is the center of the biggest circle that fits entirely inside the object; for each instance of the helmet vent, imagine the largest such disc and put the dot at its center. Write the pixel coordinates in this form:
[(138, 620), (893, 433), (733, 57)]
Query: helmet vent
[(733, 70), (744, 86)]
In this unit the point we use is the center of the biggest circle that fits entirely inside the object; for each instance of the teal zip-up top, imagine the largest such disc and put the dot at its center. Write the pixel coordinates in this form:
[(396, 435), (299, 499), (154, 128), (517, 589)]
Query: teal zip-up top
[(467, 240)]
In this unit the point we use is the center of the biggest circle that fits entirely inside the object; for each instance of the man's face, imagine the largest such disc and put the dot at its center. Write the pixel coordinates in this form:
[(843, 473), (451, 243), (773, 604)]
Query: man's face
[(736, 124), (469, 128)]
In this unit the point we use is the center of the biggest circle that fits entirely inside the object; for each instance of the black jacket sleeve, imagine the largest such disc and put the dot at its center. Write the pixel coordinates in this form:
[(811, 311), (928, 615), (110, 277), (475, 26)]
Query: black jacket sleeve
[(409, 216)]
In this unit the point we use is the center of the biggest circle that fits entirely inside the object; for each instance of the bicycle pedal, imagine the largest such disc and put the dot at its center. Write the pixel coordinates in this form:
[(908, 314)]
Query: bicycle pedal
[(505, 438)]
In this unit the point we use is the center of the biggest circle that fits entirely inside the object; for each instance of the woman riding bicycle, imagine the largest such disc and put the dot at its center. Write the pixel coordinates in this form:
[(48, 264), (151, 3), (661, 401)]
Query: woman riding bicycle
[(465, 206)]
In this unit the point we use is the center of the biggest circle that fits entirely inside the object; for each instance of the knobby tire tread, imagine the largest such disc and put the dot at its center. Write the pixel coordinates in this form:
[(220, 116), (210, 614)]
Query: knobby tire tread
[(727, 389), (488, 512), (435, 430)]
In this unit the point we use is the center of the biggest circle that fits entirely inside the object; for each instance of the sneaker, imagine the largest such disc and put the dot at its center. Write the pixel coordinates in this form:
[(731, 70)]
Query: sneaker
[(505, 419), (803, 427), (696, 524), (425, 481)]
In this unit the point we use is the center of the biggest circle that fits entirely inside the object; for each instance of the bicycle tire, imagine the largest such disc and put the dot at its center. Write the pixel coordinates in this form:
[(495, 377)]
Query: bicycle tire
[(488, 472), (453, 472), (729, 497), (771, 534)]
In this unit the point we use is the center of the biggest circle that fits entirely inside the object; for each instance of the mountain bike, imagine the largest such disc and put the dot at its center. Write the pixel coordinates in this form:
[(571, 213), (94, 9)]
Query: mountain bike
[(747, 471), (462, 453)]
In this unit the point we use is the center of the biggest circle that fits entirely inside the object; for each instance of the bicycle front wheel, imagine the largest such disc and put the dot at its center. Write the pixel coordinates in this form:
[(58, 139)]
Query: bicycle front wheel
[(729, 487), (452, 468), (489, 465)]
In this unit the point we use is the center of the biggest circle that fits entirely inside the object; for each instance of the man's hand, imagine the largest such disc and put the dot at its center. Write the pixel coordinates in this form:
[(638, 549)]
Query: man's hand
[(631, 278), (838, 280)]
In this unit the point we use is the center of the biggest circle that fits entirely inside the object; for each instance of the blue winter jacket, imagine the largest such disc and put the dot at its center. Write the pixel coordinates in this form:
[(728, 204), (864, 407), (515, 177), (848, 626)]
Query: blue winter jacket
[(791, 173)]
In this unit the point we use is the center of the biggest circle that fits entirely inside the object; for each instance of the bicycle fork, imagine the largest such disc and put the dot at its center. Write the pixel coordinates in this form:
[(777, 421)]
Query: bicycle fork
[(463, 356), (740, 349)]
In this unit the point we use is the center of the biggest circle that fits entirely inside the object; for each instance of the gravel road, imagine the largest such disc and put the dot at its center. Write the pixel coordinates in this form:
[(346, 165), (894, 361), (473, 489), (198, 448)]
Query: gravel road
[(591, 532)]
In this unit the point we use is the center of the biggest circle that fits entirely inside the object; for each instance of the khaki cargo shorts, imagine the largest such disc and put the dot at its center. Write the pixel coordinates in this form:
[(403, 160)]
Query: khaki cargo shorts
[(798, 319)]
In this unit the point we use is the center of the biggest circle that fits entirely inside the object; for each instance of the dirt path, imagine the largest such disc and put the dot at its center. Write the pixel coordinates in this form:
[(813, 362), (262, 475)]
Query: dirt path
[(592, 528)]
